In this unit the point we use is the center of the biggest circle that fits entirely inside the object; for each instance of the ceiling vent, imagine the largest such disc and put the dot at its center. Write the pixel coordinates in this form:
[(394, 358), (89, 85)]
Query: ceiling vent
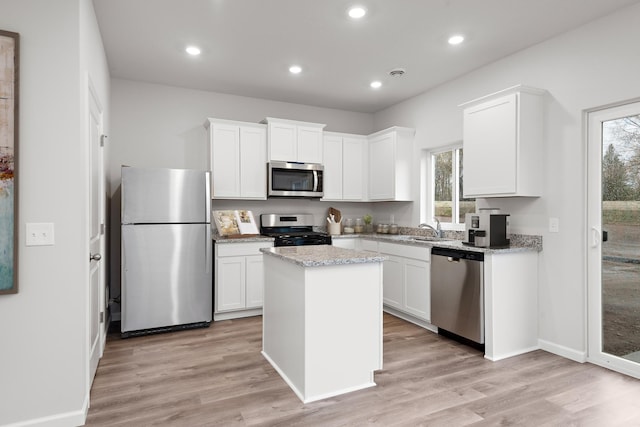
[(397, 72)]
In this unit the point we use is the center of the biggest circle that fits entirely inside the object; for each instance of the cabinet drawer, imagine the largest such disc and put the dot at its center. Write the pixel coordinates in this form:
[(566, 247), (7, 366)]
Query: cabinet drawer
[(240, 249), (405, 251)]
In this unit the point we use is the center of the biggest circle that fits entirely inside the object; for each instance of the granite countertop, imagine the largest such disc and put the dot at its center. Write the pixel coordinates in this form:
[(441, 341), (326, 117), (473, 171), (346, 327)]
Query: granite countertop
[(519, 242), (248, 239), (322, 255)]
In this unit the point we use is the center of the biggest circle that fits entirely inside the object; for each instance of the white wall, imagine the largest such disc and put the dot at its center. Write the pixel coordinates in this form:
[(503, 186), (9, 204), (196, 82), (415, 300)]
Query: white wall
[(594, 65), (162, 126), (43, 328)]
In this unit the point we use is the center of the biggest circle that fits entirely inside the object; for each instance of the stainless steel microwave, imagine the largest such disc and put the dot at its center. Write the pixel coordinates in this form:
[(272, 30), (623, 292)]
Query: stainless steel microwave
[(291, 179)]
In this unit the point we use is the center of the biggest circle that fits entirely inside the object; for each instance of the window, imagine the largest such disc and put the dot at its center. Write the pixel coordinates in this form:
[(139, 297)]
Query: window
[(447, 203)]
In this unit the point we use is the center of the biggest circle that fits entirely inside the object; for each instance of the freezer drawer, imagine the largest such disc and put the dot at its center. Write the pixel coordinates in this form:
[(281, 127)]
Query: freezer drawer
[(166, 275)]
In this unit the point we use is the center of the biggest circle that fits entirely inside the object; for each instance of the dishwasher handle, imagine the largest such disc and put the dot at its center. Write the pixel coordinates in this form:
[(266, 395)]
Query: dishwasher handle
[(457, 254), (453, 259)]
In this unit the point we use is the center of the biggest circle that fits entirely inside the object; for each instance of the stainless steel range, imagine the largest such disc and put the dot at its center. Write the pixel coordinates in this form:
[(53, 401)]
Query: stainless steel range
[(292, 230)]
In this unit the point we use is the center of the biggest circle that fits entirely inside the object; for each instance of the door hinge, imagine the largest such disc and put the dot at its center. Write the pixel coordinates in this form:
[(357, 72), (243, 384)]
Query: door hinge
[(102, 140), (102, 317), (101, 228)]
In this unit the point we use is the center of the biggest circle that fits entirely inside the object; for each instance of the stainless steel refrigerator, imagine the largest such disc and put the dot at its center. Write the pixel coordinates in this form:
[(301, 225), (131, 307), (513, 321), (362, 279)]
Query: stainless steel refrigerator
[(166, 243)]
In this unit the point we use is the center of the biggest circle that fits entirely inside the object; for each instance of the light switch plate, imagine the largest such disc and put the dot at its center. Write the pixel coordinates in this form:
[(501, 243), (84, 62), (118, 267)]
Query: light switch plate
[(39, 234), (554, 225)]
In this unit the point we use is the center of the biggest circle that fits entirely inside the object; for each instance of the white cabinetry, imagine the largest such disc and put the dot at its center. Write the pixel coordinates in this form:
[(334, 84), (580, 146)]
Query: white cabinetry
[(345, 160), (238, 279), (238, 155), (511, 304), (347, 243), (293, 141), (503, 144), (406, 279), (390, 160)]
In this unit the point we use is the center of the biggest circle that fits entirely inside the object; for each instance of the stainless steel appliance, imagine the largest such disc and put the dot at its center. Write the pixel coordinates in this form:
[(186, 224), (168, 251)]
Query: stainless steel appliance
[(487, 229), (292, 230), (166, 272), (457, 293), (290, 179)]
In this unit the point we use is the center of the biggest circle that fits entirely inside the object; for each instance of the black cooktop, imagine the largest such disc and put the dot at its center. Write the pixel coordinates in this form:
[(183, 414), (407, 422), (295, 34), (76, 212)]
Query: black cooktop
[(292, 230)]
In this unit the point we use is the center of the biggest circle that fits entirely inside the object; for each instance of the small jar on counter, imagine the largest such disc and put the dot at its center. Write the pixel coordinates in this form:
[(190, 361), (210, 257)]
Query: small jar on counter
[(393, 229), (359, 227), (348, 226)]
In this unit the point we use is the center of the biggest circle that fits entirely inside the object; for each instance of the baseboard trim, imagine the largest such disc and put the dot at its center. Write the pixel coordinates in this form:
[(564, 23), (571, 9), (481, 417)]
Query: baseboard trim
[(73, 418), (409, 318), (228, 315), (560, 350)]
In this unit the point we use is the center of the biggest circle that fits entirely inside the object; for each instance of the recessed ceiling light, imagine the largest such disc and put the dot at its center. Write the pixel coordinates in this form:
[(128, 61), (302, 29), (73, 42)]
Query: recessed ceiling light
[(457, 39), (295, 69), (376, 84), (192, 50), (357, 12)]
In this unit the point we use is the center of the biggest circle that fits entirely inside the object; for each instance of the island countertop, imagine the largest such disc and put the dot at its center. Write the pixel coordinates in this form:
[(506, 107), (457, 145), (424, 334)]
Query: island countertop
[(322, 255)]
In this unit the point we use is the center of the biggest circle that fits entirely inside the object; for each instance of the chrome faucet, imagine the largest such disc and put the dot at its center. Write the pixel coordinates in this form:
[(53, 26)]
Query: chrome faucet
[(437, 231)]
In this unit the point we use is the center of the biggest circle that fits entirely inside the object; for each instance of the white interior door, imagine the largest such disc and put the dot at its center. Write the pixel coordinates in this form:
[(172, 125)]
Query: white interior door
[(97, 297), (614, 238)]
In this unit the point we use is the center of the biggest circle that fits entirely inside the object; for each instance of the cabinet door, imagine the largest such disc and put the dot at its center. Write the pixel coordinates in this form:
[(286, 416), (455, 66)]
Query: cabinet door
[(283, 142), (333, 164), (353, 168), (369, 245), (490, 147), (230, 283), (417, 294), (382, 167), (255, 281), (309, 144), (344, 243), (253, 163), (392, 282), (225, 161)]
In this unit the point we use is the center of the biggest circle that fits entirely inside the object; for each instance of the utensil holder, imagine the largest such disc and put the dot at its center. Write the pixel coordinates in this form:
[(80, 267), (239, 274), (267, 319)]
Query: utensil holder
[(334, 228)]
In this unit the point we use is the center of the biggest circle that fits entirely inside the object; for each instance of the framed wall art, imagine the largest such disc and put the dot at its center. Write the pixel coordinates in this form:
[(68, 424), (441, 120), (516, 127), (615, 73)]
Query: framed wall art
[(9, 83)]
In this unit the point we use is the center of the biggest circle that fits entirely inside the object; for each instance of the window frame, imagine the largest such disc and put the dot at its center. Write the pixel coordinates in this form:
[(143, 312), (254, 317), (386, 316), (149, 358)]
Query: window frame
[(427, 205)]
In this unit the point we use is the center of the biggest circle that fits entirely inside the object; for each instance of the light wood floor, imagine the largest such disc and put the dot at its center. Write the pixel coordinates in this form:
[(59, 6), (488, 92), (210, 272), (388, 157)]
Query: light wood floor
[(217, 376)]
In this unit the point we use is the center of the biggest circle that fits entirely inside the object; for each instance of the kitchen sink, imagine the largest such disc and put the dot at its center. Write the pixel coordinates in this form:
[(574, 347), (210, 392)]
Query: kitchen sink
[(411, 238), (429, 239)]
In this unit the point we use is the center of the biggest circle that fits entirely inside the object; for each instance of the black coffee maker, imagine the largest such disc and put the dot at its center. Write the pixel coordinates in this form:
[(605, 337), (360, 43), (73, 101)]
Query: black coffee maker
[(487, 229)]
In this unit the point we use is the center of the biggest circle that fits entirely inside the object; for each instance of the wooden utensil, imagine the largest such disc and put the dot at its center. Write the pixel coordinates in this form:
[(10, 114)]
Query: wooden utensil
[(336, 213)]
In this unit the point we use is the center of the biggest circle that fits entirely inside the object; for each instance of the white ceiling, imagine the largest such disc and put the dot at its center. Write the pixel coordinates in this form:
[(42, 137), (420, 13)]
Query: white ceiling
[(248, 45)]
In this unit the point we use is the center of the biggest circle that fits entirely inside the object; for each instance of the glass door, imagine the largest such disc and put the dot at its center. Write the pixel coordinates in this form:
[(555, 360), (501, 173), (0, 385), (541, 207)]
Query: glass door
[(614, 238)]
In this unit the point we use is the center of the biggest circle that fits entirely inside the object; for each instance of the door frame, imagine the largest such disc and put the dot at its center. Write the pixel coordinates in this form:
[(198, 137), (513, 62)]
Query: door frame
[(94, 107), (593, 125)]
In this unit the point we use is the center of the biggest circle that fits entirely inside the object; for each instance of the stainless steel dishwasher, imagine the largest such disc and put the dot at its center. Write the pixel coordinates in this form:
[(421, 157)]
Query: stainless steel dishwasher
[(457, 292)]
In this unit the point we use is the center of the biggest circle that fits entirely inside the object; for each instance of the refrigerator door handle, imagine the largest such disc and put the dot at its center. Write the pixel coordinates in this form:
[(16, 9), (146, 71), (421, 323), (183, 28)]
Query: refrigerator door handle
[(207, 184)]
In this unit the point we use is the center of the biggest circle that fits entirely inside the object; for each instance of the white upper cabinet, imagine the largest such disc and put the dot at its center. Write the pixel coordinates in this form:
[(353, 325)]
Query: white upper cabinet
[(293, 141), (390, 160), (345, 160), (238, 158), (503, 144), (333, 165)]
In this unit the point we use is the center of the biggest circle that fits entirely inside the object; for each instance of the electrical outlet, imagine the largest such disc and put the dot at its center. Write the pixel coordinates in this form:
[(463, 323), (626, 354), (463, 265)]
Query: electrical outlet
[(39, 234), (554, 225)]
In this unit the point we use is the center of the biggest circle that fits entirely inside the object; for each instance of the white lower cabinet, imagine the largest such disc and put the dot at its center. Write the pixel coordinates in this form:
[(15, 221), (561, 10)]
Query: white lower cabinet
[(347, 243), (417, 292), (406, 279), (238, 279), (392, 282)]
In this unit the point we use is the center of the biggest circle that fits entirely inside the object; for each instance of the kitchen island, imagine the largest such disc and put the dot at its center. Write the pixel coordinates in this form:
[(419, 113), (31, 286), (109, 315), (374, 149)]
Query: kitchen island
[(322, 318)]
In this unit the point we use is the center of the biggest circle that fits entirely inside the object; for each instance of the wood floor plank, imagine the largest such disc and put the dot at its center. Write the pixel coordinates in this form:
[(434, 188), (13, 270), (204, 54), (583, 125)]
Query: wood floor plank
[(217, 377)]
